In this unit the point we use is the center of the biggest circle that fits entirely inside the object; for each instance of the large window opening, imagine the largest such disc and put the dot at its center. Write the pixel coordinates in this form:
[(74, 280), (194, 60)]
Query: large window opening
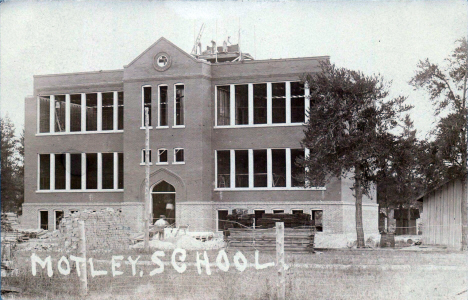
[(297, 171), (75, 171), (75, 112), (224, 167), (179, 105), (58, 218), (44, 171), (260, 103), (163, 195), (179, 155), (242, 104), (107, 171), (258, 214), (278, 102), (260, 168), (162, 156), (107, 111), (279, 167), (60, 171), (44, 114), (317, 217), (242, 168), (163, 98), (91, 171), (44, 219), (223, 97), (143, 156), (297, 103), (222, 217), (146, 104), (60, 113), (91, 112), (120, 112)]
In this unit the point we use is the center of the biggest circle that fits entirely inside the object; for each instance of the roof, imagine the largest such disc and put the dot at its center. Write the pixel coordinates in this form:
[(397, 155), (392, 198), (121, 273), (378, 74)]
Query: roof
[(420, 197)]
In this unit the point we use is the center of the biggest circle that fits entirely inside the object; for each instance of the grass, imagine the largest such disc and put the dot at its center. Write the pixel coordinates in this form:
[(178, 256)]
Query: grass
[(314, 282)]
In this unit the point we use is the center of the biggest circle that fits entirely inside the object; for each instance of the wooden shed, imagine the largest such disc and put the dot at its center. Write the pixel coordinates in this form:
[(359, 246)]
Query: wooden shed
[(442, 219)]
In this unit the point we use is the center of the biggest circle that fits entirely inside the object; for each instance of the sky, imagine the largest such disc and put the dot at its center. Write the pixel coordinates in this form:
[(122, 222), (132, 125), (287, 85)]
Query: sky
[(386, 37)]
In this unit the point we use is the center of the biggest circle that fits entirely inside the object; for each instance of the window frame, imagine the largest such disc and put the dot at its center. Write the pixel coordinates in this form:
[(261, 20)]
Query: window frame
[(159, 126), (143, 106), (142, 161), (312, 217), (175, 162), (175, 106), (217, 217), (159, 162), (39, 219)]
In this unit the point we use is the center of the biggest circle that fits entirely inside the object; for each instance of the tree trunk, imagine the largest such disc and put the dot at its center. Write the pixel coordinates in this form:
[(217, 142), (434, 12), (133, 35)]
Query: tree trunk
[(358, 195), (387, 219), (464, 205)]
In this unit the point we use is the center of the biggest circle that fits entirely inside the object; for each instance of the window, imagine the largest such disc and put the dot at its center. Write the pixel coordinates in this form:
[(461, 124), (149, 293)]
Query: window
[(146, 104), (91, 112), (91, 171), (223, 96), (222, 217), (163, 98), (107, 111), (297, 211), (258, 214), (278, 167), (242, 168), (121, 171), (44, 171), (297, 102), (143, 156), (59, 111), (44, 114), (162, 156), (44, 219), (278, 101), (107, 171), (75, 171), (60, 177), (260, 168), (224, 167), (317, 217), (260, 103), (120, 111), (72, 211), (58, 218), (178, 155), (179, 105), (278, 211), (297, 171), (75, 112), (242, 104)]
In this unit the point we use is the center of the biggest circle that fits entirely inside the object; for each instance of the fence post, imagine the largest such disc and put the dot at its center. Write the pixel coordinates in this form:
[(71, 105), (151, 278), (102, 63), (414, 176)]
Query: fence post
[(84, 270), (281, 283)]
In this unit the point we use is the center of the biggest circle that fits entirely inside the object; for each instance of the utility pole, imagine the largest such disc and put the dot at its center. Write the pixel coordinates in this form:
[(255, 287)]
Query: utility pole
[(147, 170)]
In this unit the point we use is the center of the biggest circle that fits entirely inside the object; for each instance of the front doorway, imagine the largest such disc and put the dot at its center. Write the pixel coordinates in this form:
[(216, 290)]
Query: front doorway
[(163, 195)]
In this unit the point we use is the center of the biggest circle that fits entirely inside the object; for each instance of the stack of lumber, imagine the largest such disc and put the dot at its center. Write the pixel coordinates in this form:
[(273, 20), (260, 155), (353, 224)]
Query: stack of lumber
[(295, 239), (289, 220)]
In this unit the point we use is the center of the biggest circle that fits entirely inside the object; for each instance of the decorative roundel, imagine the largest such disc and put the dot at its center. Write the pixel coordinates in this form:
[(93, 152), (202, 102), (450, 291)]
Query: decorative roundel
[(162, 61)]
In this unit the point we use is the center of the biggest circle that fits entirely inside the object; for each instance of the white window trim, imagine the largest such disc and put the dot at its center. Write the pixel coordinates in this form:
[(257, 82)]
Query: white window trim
[(142, 161), (217, 217), (269, 123), (175, 95), (270, 186), (115, 111), (143, 105), (178, 162), (162, 162), (83, 176), (159, 107)]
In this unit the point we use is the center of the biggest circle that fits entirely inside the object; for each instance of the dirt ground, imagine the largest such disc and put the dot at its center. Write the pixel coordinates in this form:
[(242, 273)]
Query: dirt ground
[(334, 274)]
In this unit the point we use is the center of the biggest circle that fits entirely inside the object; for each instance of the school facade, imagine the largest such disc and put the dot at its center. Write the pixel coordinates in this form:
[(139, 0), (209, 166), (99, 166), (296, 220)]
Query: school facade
[(224, 134)]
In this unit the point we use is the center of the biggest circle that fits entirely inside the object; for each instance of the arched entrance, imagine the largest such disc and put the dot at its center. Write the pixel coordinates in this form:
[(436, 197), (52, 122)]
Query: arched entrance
[(163, 195)]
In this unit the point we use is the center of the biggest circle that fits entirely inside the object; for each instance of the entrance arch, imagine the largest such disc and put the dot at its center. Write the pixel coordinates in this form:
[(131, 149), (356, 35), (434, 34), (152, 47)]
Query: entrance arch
[(163, 197)]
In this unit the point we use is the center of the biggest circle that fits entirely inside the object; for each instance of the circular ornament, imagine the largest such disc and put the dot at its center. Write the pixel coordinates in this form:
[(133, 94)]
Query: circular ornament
[(162, 61)]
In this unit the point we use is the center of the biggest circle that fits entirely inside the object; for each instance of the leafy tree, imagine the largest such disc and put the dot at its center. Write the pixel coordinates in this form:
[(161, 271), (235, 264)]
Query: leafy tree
[(399, 179), (11, 166), (350, 119), (446, 85)]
